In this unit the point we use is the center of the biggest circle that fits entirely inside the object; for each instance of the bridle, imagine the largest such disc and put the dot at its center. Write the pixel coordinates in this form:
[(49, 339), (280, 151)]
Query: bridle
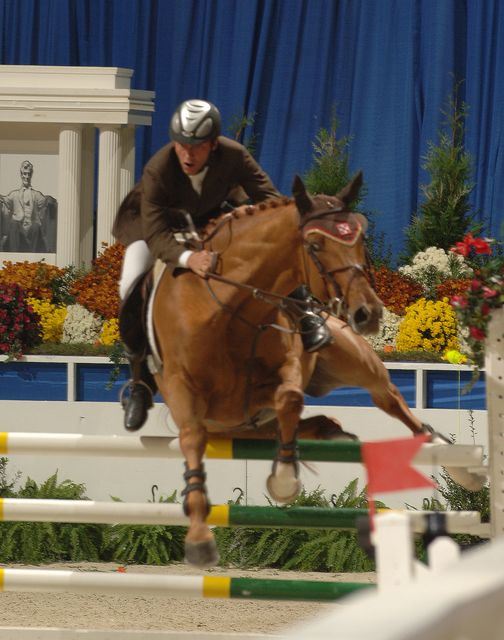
[(337, 302)]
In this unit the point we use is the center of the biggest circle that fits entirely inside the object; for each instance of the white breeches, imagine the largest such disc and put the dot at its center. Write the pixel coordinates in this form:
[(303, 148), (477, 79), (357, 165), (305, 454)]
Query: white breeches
[(137, 260)]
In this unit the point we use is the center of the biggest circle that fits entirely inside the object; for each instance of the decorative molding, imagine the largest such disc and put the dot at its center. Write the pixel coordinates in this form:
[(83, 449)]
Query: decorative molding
[(59, 108)]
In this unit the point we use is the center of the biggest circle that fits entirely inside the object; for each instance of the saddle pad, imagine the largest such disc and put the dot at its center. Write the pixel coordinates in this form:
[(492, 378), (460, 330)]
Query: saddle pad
[(154, 361)]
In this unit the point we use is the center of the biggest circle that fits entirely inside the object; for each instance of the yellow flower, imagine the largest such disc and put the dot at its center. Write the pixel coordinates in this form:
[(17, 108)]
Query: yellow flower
[(429, 326), (110, 332), (52, 317)]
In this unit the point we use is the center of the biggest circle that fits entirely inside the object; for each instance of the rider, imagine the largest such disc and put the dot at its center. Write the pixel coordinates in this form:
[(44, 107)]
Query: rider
[(199, 172)]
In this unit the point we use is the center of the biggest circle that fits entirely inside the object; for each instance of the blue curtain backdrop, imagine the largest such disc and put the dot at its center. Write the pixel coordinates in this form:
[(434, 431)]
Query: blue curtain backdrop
[(387, 66)]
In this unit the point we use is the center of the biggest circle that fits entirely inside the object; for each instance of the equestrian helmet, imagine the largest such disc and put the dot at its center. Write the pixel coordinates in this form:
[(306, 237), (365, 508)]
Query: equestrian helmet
[(195, 121)]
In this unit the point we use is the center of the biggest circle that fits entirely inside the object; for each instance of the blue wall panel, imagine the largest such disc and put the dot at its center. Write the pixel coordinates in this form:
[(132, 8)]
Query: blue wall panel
[(33, 381), (356, 397), (445, 390), (93, 382)]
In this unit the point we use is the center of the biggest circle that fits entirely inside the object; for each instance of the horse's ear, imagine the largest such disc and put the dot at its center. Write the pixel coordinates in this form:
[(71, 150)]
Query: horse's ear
[(349, 193), (303, 201), (362, 220)]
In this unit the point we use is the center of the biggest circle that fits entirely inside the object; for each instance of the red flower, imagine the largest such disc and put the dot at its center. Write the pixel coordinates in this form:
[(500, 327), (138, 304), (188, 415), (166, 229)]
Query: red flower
[(475, 285), (477, 333), (489, 293), (485, 309), (461, 248), (481, 246), (459, 301)]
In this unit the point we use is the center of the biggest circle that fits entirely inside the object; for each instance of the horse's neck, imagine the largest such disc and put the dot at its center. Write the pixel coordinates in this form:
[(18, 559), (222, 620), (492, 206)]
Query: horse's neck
[(265, 250)]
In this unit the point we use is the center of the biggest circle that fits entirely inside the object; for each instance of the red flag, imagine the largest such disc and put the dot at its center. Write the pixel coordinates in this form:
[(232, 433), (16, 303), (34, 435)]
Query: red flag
[(388, 465)]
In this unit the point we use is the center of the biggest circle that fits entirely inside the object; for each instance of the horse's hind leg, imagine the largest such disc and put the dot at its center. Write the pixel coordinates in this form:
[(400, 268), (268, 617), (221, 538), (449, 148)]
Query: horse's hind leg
[(187, 408)]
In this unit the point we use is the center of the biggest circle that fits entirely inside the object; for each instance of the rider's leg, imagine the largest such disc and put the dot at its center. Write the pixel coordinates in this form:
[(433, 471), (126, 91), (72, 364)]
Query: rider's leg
[(137, 261), (314, 331)]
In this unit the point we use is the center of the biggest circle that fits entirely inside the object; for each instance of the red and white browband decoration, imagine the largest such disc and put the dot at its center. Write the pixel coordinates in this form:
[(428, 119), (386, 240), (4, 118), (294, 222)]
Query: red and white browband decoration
[(345, 232)]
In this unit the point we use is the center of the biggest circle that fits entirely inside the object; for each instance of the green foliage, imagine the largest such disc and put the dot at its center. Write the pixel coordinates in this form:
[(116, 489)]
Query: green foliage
[(456, 498), (61, 285), (38, 542), (330, 172), (237, 128), (7, 484), (71, 349), (445, 215), (299, 549), (145, 544), (380, 253), (410, 356)]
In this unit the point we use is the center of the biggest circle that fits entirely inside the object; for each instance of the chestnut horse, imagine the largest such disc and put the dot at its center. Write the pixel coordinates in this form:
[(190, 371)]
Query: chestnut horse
[(230, 345)]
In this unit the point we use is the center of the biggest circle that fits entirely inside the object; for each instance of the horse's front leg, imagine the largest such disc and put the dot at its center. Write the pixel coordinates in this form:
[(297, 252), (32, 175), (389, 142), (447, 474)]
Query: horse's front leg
[(188, 409), (283, 484)]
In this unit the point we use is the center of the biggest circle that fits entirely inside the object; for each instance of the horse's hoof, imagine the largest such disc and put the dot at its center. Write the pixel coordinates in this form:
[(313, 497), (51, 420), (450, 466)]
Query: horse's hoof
[(283, 489), (463, 477), (202, 554), (466, 479)]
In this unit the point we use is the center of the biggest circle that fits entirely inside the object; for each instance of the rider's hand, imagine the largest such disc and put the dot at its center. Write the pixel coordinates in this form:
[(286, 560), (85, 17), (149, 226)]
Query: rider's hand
[(200, 262)]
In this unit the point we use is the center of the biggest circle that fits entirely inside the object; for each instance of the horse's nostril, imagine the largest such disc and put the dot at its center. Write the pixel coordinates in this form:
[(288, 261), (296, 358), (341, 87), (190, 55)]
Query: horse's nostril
[(361, 316)]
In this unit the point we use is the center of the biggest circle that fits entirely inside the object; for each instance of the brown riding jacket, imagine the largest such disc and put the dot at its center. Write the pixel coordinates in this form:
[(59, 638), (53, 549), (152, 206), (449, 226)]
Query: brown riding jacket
[(145, 213)]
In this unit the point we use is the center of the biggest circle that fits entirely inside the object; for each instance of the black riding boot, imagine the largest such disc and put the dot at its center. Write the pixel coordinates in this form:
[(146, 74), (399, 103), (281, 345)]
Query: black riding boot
[(142, 385), (141, 388), (314, 332)]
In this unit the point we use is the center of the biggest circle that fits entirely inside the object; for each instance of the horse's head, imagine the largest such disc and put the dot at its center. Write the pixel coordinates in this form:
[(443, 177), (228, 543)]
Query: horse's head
[(334, 239)]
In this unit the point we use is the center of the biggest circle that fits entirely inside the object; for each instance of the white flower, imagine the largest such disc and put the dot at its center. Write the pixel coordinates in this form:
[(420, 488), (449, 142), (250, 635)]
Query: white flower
[(80, 325), (437, 264), (389, 327)]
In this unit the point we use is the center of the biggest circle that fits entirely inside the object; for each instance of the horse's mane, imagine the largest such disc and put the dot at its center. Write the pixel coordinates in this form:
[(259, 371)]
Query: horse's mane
[(244, 211)]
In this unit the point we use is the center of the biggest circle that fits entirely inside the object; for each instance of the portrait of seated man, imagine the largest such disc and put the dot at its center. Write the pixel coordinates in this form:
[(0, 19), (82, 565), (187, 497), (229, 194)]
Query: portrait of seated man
[(28, 217)]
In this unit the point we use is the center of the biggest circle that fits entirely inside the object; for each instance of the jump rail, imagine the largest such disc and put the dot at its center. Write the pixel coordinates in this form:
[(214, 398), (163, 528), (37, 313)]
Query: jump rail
[(13, 443), (174, 586), (160, 513)]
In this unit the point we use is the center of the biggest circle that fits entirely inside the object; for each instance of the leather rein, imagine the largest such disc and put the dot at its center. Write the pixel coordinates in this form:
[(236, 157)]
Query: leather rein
[(336, 306)]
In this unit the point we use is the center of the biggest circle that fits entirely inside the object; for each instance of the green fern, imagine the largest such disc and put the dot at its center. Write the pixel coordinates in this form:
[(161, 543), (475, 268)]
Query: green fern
[(41, 542), (300, 549), (145, 544)]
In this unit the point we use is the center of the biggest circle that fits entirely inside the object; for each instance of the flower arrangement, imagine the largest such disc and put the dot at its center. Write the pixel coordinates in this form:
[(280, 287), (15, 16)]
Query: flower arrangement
[(80, 326), (52, 316), (19, 326), (485, 291), (386, 338), (110, 332), (429, 326), (34, 278), (98, 290), (395, 290)]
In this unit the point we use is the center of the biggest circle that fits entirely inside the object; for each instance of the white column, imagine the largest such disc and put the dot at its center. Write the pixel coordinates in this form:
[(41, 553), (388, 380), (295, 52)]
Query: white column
[(494, 382), (87, 194), (109, 167), (128, 161), (69, 181)]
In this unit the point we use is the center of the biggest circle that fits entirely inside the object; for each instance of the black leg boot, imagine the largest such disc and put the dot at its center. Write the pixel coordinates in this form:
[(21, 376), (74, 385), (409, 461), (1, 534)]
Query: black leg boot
[(137, 394), (314, 332), (139, 399)]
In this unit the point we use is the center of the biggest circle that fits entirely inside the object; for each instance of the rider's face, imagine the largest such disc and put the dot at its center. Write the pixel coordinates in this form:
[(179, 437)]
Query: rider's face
[(193, 157)]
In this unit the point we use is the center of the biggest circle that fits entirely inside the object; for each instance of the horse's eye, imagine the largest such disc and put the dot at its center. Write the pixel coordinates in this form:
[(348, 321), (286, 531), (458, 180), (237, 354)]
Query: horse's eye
[(315, 246)]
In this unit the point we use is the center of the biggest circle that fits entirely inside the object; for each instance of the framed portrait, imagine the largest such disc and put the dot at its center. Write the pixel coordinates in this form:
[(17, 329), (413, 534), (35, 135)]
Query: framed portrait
[(28, 206)]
